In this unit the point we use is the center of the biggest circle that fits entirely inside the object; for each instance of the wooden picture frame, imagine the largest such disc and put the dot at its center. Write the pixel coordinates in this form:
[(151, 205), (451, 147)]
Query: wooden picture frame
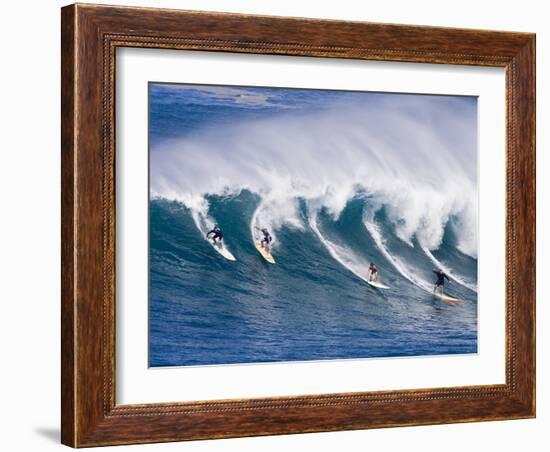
[(90, 36)]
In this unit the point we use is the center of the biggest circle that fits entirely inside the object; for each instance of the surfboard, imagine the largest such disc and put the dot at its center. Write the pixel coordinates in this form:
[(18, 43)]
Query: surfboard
[(378, 285), (220, 248), (265, 254), (447, 298)]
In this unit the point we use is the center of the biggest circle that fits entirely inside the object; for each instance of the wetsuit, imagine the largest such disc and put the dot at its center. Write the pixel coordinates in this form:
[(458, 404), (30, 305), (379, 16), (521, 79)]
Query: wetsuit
[(440, 278), (267, 238), (217, 234), (373, 273)]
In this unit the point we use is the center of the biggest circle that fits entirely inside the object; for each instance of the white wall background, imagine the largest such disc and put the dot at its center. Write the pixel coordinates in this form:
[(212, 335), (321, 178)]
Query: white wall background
[(29, 226)]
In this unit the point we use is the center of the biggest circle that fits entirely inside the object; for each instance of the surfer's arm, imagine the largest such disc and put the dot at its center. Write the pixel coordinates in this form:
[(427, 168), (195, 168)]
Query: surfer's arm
[(446, 277)]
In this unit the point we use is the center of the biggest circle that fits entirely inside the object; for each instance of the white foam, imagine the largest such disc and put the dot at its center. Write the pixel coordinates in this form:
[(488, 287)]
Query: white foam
[(376, 235), (341, 254), (448, 271), (272, 213), (414, 157), (205, 223)]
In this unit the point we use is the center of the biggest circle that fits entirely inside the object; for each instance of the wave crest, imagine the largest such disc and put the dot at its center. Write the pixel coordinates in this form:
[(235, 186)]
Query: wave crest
[(413, 161)]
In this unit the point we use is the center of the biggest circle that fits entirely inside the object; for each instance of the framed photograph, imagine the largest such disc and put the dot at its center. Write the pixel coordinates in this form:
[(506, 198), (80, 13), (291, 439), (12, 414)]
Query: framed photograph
[(281, 225)]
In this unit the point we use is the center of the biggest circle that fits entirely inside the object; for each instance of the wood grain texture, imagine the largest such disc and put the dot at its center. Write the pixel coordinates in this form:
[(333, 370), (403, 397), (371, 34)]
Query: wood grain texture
[(90, 36), (68, 310)]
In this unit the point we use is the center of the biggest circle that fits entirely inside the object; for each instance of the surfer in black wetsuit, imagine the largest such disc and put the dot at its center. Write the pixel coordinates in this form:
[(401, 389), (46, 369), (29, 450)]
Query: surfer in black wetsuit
[(438, 288), (266, 241), (217, 235), (373, 272)]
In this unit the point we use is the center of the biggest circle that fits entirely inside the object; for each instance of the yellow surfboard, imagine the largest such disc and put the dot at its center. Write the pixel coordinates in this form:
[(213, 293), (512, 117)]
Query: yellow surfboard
[(265, 254), (447, 298)]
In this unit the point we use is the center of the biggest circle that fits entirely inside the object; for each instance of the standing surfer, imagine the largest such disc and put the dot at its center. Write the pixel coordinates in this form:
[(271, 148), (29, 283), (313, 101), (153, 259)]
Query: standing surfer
[(373, 273), (264, 245), (217, 235), (267, 239), (438, 288)]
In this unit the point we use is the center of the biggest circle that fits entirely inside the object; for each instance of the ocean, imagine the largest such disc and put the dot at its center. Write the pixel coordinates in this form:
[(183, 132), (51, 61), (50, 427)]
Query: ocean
[(335, 198)]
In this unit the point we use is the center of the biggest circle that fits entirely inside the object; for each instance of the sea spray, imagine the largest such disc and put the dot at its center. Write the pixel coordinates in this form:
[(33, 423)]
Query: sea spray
[(418, 173), (307, 164)]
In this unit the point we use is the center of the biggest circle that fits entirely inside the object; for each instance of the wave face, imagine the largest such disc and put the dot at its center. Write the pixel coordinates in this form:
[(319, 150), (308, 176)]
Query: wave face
[(338, 188), (313, 304)]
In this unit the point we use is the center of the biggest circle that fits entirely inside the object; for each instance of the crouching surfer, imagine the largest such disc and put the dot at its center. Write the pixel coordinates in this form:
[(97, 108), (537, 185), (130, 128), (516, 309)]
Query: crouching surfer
[(374, 274), (217, 235), (440, 282)]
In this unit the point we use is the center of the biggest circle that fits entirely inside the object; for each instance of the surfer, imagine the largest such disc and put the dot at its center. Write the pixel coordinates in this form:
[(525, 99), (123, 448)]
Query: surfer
[(266, 241), (438, 288), (374, 275), (217, 235), (263, 245)]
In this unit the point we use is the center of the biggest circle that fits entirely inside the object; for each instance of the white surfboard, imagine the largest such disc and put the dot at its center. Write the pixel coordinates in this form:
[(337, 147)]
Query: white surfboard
[(265, 254), (220, 248), (378, 285), (447, 298)]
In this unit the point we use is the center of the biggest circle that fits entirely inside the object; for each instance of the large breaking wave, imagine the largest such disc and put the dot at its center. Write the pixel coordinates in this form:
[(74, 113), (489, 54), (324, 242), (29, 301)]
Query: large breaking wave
[(314, 303), (411, 163), (389, 179)]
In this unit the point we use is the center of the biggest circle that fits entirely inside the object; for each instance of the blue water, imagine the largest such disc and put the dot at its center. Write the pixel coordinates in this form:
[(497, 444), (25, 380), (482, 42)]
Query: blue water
[(313, 166), (205, 309)]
